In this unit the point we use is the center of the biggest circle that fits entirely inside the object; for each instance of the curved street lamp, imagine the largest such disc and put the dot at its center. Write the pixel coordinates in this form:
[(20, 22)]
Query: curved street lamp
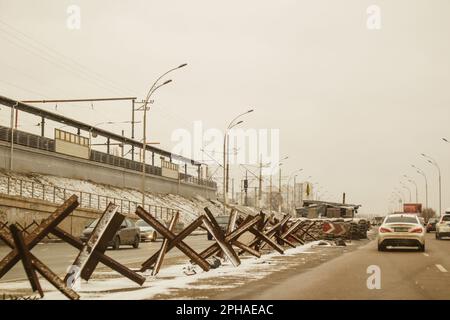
[(155, 86), (435, 164), (409, 179), (419, 171), (231, 125), (407, 188)]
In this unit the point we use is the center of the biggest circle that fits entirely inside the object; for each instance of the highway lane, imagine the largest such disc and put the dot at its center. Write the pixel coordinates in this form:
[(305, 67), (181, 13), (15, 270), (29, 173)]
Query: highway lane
[(404, 274), (59, 256)]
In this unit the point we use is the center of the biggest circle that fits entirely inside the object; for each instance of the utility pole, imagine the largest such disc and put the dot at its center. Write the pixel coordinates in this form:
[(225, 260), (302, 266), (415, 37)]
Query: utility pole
[(246, 187), (419, 171), (433, 162), (153, 88), (232, 190), (260, 182), (242, 192), (228, 165), (279, 189), (132, 127), (270, 194), (294, 205), (11, 156)]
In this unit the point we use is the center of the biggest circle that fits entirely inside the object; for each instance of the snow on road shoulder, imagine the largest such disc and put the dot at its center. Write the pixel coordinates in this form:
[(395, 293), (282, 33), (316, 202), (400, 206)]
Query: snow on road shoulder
[(172, 278)]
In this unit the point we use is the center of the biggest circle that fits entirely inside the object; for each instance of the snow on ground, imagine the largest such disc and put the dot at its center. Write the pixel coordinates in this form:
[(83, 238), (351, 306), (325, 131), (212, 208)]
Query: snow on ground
[(42, 187), (171, 278)]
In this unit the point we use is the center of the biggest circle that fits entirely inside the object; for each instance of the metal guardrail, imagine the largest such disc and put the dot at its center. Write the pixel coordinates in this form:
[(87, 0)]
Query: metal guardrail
[(123, 162), (43, 143), (26, 139), (57, 195)]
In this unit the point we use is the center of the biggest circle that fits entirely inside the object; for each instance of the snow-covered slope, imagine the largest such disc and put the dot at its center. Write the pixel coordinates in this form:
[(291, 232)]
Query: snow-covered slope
[(189, 207)]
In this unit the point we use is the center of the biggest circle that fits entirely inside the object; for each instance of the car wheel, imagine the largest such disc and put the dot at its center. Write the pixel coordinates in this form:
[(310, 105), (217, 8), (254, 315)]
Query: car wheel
[(136, 242), (155, 236), (381, 247), (438, 236), (422, 248), (116, 243)]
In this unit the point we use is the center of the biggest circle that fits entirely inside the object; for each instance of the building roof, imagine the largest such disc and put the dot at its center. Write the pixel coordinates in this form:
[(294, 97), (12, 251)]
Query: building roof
[(331, 204)]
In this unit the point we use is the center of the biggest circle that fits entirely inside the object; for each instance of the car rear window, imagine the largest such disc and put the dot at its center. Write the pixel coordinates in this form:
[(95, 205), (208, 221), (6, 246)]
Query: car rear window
[(446, 218), (142, 223), (401, 219)]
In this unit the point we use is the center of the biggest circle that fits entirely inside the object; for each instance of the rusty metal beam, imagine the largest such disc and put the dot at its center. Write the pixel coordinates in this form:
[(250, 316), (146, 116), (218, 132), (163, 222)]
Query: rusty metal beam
[(176, 241), (103, 232), (163, 250), (241, 229), (260, 242), (39, 233), (305, 231), (107, 261), (246, 248), (43, 270), (224, 246), (214, 228), (24, 255), (267, 240), (180, 236)]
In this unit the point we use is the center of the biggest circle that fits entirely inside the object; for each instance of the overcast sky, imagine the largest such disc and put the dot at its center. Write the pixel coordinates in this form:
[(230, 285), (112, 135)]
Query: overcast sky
[(355, 107)]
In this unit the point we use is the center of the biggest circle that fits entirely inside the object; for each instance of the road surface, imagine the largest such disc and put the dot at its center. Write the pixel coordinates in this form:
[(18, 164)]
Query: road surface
[(404, 275), (59, 256)]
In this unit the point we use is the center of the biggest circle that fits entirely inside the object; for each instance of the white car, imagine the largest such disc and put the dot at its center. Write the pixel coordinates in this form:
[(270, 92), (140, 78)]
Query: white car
[(443, 226), (401, 230), (147, 233)]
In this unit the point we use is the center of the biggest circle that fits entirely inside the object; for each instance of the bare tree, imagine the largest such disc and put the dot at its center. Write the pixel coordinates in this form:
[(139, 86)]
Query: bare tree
[(428, 213)]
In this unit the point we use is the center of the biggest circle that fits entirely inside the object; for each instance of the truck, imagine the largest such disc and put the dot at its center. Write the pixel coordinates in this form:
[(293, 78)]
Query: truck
[(412, 208)]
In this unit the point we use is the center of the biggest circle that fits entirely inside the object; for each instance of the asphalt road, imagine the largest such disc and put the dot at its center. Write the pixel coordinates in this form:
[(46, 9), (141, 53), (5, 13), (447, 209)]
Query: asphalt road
[(404, 274), (59, 256)]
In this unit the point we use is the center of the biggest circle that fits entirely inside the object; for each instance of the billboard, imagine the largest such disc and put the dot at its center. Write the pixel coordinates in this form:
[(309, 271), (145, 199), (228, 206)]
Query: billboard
[(412, 207)]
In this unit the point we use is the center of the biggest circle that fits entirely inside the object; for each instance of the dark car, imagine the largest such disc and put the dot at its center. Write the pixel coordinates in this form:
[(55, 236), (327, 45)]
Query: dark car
[(431, 225), (128, 234), (222, 221)]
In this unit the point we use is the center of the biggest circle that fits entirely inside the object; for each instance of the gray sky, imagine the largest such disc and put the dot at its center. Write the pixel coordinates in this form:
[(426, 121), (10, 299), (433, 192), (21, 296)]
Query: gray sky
[(355, 107)]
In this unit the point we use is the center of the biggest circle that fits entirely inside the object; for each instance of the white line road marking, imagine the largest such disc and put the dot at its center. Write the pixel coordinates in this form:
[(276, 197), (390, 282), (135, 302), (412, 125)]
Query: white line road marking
[(426, 254), (441, 268)]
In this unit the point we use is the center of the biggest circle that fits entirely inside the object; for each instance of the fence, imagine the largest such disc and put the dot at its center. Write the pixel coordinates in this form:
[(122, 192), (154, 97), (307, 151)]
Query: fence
[(26, 139), (87, 200)]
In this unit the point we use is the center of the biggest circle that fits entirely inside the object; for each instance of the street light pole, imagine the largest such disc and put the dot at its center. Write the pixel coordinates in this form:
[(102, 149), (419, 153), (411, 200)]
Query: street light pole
[(401, 199), (433, 162), (270, 189), (407, 188), (400, 192), (289, 181), (419, 171), (153, 88), (226, 158), (415, 184)]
